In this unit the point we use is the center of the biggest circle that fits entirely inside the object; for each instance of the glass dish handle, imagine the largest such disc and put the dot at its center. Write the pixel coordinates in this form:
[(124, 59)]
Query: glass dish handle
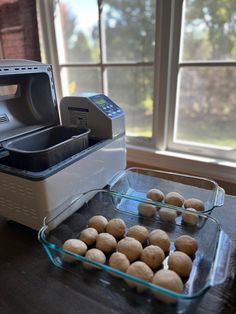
[(115, 178), (221, 265), (220, 197)]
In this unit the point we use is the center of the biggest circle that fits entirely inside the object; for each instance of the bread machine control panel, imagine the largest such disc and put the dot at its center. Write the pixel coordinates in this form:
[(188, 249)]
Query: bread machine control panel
[(106, 105), (97, 112)]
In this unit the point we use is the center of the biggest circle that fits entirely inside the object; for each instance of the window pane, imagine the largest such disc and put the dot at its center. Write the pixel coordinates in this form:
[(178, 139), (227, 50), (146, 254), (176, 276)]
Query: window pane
[(209, 30), (80, 80), (206, 110), (130, 30), (76, 26), (132, 89)]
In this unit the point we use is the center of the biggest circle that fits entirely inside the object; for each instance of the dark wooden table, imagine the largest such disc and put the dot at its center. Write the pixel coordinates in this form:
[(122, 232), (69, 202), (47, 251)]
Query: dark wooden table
[(29, 283)]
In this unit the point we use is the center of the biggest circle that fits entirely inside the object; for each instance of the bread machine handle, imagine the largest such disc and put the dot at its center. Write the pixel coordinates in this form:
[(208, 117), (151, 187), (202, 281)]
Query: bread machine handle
[(221, 264), (220, 197)]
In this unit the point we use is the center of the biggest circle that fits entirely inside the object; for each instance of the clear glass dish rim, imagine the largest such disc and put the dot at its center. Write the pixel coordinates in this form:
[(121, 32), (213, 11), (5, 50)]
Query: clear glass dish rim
[(172, 172), (122, 173)]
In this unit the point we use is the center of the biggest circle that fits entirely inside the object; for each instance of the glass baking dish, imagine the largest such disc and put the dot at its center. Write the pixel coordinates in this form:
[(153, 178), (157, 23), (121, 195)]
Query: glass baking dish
[(210, 263), (136, 182)]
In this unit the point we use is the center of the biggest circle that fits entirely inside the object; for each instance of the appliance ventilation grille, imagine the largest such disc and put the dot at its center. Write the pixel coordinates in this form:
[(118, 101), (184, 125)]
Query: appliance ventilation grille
[(3, 118)]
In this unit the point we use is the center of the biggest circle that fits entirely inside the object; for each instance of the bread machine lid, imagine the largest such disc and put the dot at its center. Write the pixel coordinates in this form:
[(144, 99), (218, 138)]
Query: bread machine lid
[(27, 98)]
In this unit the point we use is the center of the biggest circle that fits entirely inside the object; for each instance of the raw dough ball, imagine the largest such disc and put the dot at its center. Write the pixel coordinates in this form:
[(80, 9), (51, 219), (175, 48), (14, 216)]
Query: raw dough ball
[(147, 210), (153, 256), (98, 222), (160, 238), (174, 198), (96, 256), (141, 271), (75, 246), (194, 203), (139, 233), (88, 235), (131, 247), (190, 216), (167, 214), (106, 242), (119, 261), (170, 280), (186, 244), (116, 227), (181, 263), (155, 195)]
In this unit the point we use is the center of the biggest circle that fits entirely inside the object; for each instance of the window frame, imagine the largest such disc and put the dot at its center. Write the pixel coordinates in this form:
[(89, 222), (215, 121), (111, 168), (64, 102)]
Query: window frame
[(166, 68), (176, 65)]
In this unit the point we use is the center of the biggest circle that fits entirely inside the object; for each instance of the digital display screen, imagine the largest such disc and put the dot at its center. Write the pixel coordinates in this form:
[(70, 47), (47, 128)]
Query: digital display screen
[(100, 101)]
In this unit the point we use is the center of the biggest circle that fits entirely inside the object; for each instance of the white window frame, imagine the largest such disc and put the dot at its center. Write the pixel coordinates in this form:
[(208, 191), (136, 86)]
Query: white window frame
[(175, 66), (160, 151)]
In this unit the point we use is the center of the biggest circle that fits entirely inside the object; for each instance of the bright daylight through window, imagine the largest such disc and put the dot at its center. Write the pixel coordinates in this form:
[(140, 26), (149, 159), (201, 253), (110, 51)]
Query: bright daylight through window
[(109, 47), (170, 64), (206, 95)]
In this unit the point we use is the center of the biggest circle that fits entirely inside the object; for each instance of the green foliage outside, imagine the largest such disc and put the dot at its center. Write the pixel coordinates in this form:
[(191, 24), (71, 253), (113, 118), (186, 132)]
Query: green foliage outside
[(207, 102)]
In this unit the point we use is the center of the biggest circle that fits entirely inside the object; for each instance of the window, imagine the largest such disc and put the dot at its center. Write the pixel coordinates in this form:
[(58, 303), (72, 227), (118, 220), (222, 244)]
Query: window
[(205, 106), (170, 64), (108, 46)]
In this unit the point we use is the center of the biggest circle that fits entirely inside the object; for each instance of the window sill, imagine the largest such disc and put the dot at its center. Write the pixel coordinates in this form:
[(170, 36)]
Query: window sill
[(221, 170)]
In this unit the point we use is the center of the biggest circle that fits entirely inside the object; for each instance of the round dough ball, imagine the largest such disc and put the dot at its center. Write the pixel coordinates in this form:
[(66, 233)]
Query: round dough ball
[(186, 244), (96, 256), (153, 256), (147, 210), (181, 263), (170, 280), (98, 222), (119, 261), (155, 195), (75, 246), (141, 271), (116, 227), (167, 214), (160, 238), (189, 216), (106, 242), (131, 247), (88, 235), (174, 198), (139, 233), (194, 203)]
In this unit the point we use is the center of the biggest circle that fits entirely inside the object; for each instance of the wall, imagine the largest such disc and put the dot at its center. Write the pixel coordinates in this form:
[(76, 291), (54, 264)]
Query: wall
[(18, 30)]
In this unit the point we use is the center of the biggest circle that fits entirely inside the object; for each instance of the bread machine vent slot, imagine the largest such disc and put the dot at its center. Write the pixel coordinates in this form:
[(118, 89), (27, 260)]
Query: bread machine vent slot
[(4, 118)]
